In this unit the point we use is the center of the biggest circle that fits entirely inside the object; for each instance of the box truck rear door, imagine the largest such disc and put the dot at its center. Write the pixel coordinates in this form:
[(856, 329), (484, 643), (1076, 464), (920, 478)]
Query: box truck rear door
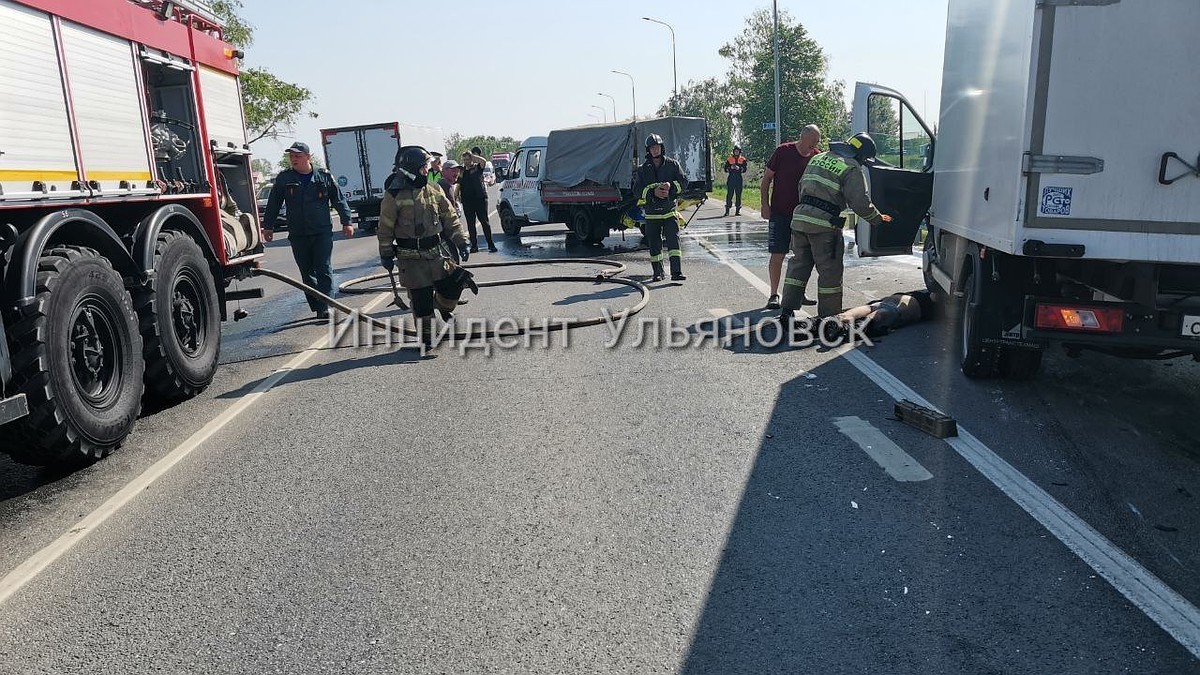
[(902, 178)]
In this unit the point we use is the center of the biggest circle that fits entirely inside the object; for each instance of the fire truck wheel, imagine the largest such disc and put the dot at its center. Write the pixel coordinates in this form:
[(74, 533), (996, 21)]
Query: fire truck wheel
[(180, 320), (78, 358)]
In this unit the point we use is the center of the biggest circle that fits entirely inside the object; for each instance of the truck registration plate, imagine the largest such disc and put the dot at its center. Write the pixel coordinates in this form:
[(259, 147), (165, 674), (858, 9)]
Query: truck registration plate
[(1191, 326)]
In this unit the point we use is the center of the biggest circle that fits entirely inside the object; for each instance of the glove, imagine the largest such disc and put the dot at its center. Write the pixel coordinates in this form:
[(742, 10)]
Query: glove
[(388, 262), (464, 252)]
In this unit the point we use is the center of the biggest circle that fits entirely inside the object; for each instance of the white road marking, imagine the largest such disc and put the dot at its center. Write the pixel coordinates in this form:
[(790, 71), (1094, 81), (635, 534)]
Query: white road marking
[(35, 564), (891, 457), (1171, 611)]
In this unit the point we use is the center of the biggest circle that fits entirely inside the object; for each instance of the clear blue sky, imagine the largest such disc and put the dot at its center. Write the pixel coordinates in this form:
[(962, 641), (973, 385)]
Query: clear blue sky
[(523, 67)]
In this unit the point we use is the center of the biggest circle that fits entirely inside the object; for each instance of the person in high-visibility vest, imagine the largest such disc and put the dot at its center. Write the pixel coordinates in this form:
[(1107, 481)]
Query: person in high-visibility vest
[(660, 181), (832, 182)]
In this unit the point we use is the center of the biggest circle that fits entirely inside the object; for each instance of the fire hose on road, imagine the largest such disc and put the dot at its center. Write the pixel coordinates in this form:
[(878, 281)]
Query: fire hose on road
[(606, 276)]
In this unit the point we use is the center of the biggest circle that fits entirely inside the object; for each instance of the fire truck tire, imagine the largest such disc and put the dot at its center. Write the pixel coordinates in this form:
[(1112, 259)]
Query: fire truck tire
[(180, 320), (77, 356)]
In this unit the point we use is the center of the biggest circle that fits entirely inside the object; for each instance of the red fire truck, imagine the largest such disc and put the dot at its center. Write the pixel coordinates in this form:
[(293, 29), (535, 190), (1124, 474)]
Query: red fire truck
[(126, 211)]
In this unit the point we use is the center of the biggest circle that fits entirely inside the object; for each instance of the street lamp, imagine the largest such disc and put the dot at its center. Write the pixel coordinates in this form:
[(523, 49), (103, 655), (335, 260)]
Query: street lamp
[(632, 90), (614, 103), (593, 116), (603, 112), (674, 70)]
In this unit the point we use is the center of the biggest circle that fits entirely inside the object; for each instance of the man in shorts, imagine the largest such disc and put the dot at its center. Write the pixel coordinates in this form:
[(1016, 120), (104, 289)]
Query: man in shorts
[(780, 191)]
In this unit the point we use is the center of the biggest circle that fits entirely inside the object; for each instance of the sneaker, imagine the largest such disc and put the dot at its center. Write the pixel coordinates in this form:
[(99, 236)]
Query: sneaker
[(656, 277), (322, 314), (773, 302), (492, 248), (807, 303), (474, 249), (678, 277)]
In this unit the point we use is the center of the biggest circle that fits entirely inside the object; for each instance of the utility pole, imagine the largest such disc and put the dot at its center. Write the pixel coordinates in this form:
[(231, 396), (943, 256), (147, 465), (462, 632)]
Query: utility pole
[(775, 48)]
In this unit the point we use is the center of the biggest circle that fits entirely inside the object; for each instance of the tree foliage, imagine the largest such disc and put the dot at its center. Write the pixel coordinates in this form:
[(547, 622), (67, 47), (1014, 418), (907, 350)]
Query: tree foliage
[(272, 105), (457, 144), (712, 100), (237, 32), (806, 97)]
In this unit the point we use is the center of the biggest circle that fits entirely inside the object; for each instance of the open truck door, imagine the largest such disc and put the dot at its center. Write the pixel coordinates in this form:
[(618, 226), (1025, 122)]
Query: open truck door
[(901, 177)]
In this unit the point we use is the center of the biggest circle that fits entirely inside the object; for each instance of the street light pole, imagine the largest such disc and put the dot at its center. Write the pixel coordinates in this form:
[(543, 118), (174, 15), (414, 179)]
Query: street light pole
[(603, 112), (775, 48), (614, 103), (674, 69), (632, 91)]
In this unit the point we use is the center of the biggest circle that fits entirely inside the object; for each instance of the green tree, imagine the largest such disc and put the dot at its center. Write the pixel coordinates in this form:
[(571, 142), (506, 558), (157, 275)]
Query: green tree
[(806, 97), (272, 105), (457, 144), (712, 100)]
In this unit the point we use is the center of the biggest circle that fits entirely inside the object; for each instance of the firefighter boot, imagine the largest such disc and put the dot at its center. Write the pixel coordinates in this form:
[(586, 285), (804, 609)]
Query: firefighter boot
[(656, 265), (677, 269)]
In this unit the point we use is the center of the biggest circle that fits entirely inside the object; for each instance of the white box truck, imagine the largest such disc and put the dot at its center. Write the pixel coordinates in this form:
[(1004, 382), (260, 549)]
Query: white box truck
[(1062, 193), (362, 157)]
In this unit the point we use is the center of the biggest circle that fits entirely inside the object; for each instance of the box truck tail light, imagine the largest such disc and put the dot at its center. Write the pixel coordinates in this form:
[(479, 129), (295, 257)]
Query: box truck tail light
[(1085, 319)]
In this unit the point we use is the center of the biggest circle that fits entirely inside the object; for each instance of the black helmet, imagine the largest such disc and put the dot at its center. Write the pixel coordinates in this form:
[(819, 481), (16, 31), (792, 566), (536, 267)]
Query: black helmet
[(654, 139), (863, 144), (412, 158)]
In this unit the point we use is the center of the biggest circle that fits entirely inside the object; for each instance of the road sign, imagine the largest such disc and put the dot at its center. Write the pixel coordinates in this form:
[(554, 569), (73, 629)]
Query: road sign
[(768, 126)]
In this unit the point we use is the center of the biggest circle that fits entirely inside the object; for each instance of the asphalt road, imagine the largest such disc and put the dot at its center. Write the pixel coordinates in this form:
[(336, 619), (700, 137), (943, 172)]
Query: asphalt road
[(568, 507)]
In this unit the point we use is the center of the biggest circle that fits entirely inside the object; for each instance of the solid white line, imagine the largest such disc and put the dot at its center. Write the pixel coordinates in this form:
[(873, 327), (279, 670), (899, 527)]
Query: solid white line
[(736, 266), (35, 564), (891, 457), (1171, 611)]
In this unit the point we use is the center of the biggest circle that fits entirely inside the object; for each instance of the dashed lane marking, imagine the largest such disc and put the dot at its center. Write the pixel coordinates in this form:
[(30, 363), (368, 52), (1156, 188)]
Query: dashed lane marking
[(891, 457)]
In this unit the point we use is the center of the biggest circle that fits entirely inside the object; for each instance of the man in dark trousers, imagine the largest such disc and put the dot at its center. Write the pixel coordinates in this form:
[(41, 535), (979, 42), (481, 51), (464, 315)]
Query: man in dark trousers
[(780, 190), (660, 181), (472, 193), (310, 193), (735, 167)]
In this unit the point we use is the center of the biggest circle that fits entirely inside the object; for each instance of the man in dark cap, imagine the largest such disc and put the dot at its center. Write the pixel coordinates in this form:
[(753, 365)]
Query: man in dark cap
[(310, 193)]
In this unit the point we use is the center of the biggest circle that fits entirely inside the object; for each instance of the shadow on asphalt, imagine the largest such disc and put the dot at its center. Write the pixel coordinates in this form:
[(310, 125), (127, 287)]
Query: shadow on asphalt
[(393, 356)]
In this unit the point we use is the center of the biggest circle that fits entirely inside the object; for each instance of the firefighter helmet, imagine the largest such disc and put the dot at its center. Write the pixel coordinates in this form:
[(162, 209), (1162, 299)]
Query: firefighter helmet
[(653, 140), (863, 144), (412, 158)]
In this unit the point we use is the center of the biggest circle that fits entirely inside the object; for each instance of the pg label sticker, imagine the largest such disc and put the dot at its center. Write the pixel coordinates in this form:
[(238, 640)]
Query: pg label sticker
[(1056, 201)]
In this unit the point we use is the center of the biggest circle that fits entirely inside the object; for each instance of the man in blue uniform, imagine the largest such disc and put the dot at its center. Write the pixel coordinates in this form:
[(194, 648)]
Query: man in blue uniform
[(310, 193)]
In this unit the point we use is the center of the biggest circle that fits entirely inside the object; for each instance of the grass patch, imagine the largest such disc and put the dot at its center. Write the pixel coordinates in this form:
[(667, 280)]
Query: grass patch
[(751, 199)]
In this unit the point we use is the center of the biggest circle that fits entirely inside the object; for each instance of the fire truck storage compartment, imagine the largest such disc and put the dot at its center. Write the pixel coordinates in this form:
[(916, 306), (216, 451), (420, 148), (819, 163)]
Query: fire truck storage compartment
[(174, 129)]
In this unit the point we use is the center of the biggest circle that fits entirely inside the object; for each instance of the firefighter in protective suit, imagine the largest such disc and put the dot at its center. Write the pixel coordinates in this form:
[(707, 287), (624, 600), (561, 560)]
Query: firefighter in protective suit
[(832, 182), (412, 218), (660, 181)]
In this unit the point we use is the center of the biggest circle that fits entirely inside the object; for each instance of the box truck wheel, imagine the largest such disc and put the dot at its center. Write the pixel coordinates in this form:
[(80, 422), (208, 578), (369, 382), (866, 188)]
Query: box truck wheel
[(78, 356), (180, 320), (587, 226), (508, 221), (975, 359), (929, 258)]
